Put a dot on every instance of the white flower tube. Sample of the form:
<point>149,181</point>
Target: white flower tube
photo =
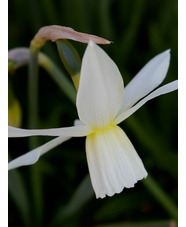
<point>113,162</point>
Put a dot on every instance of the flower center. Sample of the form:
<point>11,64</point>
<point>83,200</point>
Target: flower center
<point>109,127</point>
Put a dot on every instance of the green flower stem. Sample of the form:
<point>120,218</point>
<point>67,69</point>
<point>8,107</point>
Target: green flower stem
<point>33,89</point>
<point>158,193</point>
<point>58,76</point>
<point>33,141</point>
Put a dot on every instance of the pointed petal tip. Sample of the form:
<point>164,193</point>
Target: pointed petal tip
<point>91,43</point>
<point>166,53</point>
<point>164,56</point>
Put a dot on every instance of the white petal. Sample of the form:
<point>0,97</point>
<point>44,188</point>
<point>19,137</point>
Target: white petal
<point>74,131</point>
<point>101,92</point>
<point>33,156</point>
<point>113,162</point>
<point>160,91</point>
<point>149,77</point>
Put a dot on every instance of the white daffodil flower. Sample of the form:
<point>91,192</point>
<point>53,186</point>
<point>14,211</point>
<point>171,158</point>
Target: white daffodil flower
<point>102,103</point>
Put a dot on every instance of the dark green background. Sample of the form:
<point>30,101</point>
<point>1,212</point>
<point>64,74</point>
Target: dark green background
<point>43,194</point>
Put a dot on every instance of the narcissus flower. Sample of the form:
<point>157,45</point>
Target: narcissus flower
<point>102,103</point>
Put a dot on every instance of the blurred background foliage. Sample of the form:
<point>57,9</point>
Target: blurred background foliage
<point>57,191</point>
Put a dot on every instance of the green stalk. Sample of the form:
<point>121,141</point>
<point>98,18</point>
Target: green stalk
<point>158,193</point>
<point>33,90</point>
<point>36,183</point>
